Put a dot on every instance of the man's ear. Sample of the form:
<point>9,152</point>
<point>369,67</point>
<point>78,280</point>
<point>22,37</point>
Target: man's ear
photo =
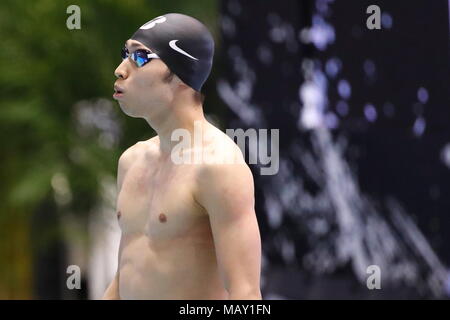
<point>179,83</point>
<point>168,76</point>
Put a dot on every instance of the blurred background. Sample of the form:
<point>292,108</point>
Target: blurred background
<point>364,141</point>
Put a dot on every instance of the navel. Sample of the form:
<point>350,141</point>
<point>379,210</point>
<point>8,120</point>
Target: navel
<point>162,217</point>
<point>118,215</point>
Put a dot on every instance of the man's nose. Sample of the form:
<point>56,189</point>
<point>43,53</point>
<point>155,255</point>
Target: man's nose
<point>121,71</point>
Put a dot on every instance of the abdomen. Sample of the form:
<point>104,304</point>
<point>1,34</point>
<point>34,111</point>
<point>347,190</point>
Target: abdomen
<point>180,269</point>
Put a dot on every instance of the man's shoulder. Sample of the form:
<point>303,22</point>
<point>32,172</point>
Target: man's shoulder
<point>223,148</point>
<point>224,173</point>
<point>137,150</point>
<point>224,158</point>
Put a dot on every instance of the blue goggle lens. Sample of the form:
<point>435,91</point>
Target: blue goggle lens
<point>140,56</point>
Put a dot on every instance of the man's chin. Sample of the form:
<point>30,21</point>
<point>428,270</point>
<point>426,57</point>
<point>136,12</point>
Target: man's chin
<point>127,110</point>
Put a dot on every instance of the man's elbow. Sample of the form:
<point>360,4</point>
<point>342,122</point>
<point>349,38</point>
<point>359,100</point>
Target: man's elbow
<point>244,294</point>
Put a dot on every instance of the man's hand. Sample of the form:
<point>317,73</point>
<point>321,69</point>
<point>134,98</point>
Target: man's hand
<point>227,193</point>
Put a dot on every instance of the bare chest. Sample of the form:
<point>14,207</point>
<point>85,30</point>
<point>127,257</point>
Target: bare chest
<point>158,201</point>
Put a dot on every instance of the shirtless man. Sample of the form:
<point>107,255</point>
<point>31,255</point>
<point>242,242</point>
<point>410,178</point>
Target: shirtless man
<point>189,230</point>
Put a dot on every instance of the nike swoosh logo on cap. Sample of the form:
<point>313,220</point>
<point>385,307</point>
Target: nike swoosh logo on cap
<point>173,45</point>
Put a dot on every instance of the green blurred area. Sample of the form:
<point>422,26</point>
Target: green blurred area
<point>49,75</point>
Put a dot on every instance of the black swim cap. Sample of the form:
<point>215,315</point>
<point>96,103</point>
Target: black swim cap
<point>183,43</point>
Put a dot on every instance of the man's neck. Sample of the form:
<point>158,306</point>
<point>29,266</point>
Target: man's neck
<point>183,117</point>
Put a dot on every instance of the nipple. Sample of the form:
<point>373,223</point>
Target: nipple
<point>162,217</point>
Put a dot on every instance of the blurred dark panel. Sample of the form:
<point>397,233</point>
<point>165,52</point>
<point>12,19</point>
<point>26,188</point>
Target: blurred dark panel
<point>368,186</point>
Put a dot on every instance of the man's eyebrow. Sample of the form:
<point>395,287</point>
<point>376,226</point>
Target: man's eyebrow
<point>133,45</point>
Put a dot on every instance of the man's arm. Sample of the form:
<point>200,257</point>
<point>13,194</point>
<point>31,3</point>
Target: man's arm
<point>125,160</point>
<point>227,194</point>
<point>112,292</point>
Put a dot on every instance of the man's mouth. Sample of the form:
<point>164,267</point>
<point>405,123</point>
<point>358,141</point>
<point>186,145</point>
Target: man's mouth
<point>118,92</point>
